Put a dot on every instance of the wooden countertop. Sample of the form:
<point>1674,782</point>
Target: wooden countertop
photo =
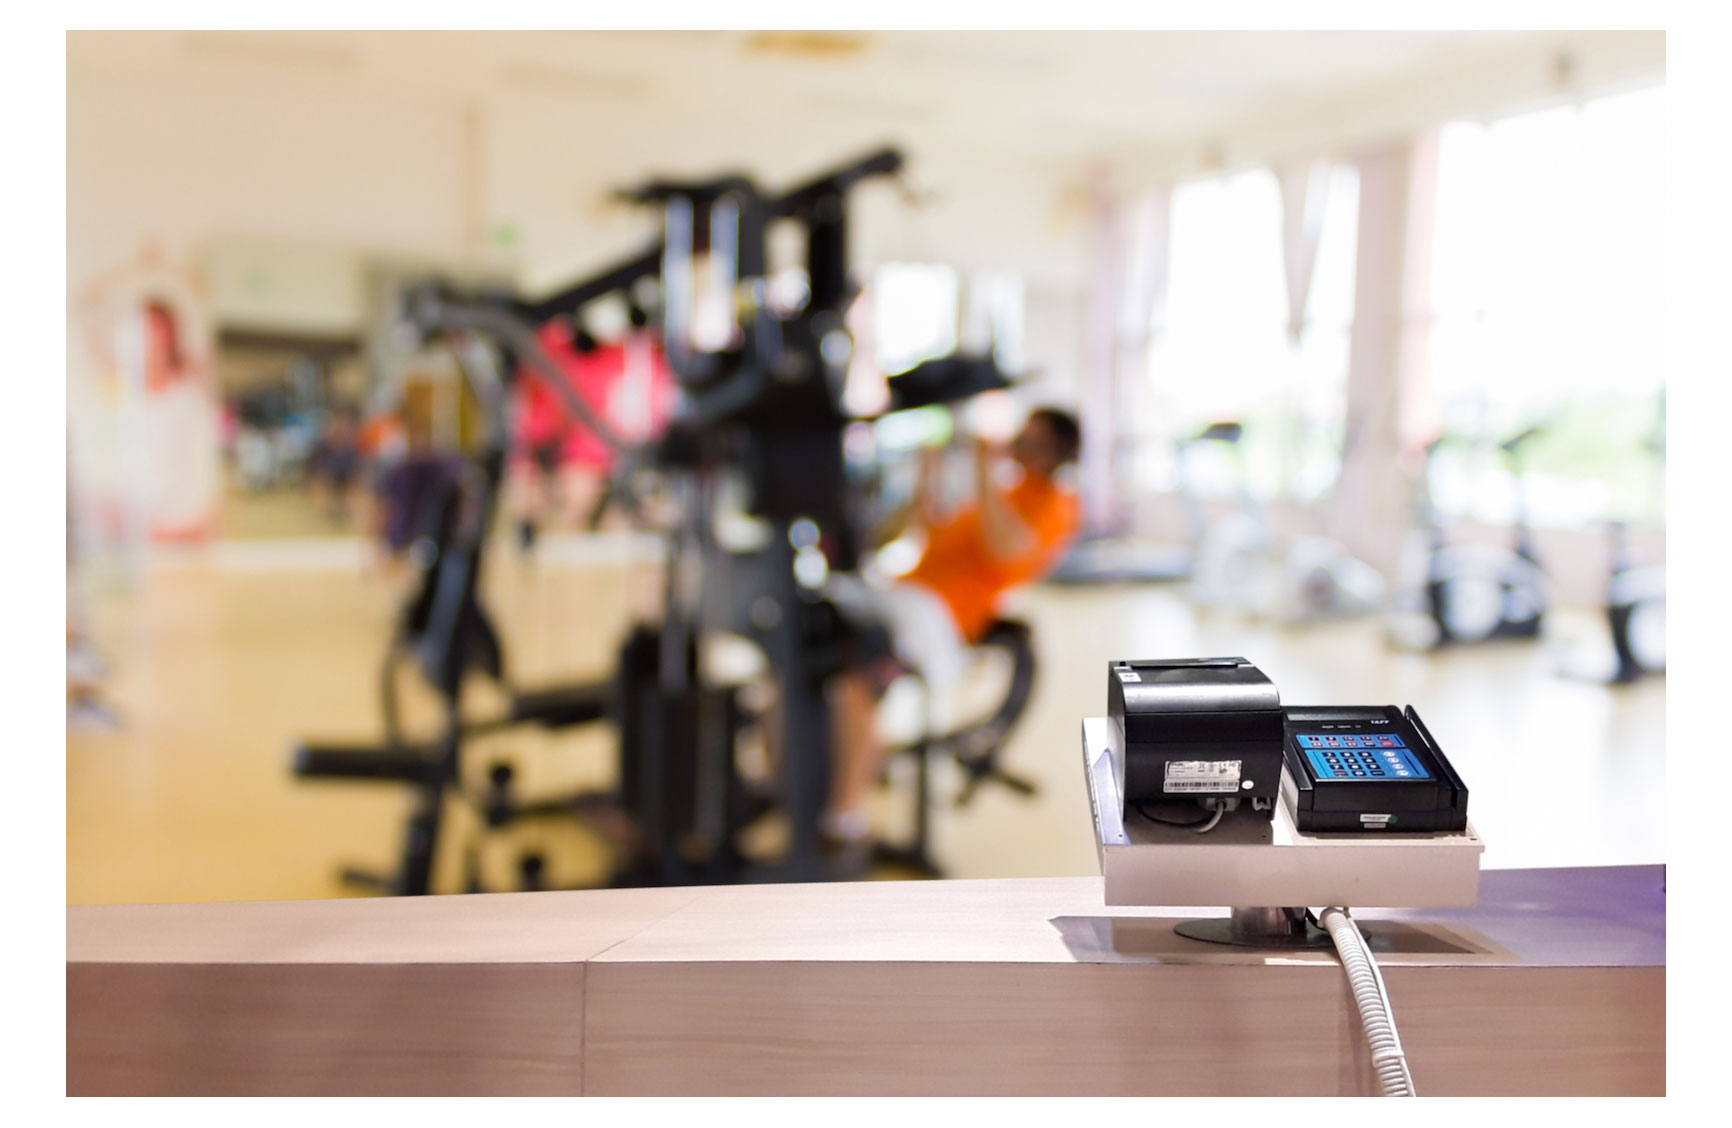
<point>1554,983</point>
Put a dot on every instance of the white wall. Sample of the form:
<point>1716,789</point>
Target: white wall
<point>188,165</point>
<point>321,180</point>
<point>542,179</point>
<point>285,287</point>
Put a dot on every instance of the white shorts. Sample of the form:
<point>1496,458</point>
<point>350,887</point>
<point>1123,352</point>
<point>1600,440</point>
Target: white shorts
<point>925,634</point>
<point>919,622</point>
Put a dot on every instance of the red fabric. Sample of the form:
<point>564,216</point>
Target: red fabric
<point>596,377</point>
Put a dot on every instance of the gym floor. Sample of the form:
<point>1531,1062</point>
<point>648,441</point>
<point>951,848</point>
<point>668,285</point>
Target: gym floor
<point>228,658</point>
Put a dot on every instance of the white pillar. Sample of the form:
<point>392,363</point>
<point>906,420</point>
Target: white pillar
<point>1142,314</point>
<point>1387,345</point>
<point>1098,386</point>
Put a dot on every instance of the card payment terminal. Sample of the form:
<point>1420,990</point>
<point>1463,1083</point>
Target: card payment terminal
<point>1368,768</point>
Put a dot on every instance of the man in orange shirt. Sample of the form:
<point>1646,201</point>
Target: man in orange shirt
<point>1008,536</point>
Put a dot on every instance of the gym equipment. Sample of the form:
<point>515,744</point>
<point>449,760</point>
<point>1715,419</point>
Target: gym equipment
<point>446,634</point>
<point>1230,566</point>
<point>1317,578</point>
<point>1114,559</point>
<point>1635,613</point>
<point>1453,594</point>
<point>976,748</point>
<point>1635,602</point>
<point>1241,563</point>
<point>759,409</point>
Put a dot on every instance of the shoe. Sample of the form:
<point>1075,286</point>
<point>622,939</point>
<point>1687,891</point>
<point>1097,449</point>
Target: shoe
<point>751,804</point>
<point>92,715</point>
<point>84,666</point>
<point>848,856</point>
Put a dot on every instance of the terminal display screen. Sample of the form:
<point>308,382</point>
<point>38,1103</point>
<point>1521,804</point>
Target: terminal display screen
<point>1359,757</point>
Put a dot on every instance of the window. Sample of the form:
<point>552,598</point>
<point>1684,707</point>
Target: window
<point>1547,292</point>
<point>914,310</point>
<point>917,311</point>
<point>1221,350</point>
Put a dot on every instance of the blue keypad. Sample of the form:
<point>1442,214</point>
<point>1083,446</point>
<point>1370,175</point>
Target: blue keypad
<point>1360,756</point>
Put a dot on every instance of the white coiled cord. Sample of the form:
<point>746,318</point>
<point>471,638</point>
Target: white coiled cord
<point>1373,1001</point>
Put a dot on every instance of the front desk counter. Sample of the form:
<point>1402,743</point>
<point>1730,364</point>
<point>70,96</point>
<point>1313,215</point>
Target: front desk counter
<point>1554,984</point>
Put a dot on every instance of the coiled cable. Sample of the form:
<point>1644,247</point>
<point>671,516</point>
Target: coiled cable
<point>1372,999</point>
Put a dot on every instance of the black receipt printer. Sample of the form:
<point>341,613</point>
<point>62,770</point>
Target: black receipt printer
<point>1204,731</point>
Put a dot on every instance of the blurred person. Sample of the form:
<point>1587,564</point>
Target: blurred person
<point>182,428</point>
<point>409,490</point>
<point>142,406</point>
<point>85,666</point>
<point>334,465</point>
<point>229,427</point>
<point>565,472</point>
<point>1009,535</point>
<point>255,458</point>
<point>381,440</point>
<point>292,442</point>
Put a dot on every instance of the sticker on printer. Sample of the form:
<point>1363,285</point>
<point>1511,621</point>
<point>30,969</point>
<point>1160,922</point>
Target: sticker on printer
<point>1126,674</point>
<point>1202,776</point>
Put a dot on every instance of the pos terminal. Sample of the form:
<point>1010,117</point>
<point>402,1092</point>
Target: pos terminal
<point>1213,732</point>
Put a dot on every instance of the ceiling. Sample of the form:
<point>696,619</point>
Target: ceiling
<point>1026,116</point>
<point>1041,95</point>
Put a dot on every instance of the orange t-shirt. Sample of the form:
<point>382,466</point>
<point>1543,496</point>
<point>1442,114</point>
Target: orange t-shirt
<point>960,567</point>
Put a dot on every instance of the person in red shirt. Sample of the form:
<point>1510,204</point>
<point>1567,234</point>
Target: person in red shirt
<point>560,466</point>
<point>1008,536</point>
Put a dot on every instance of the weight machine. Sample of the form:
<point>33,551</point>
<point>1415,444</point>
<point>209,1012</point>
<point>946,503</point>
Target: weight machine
<point>761,403</point>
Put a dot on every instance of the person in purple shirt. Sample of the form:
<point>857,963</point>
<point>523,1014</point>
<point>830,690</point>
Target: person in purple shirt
<point>334,465</point>
<point>410,490</point>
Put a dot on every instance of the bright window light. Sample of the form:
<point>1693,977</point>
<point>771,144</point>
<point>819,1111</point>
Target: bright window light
<point>914,308</point>
<point>1548,294</point>
<point>1221,352</point>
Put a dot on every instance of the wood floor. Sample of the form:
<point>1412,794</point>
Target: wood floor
<point>223,661</point>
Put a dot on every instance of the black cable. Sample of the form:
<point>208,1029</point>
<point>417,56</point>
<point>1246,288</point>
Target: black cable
<point>1141,810</point>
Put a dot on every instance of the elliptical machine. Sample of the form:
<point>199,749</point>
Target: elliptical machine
<point>1635,603</point>
<point>1242,564</point>
<point>1229,566</point>
<point>1636,613</point>
<point>1455,594</point>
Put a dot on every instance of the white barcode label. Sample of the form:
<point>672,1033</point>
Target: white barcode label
<point>1128,675</point>
<point>1205,776</point>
